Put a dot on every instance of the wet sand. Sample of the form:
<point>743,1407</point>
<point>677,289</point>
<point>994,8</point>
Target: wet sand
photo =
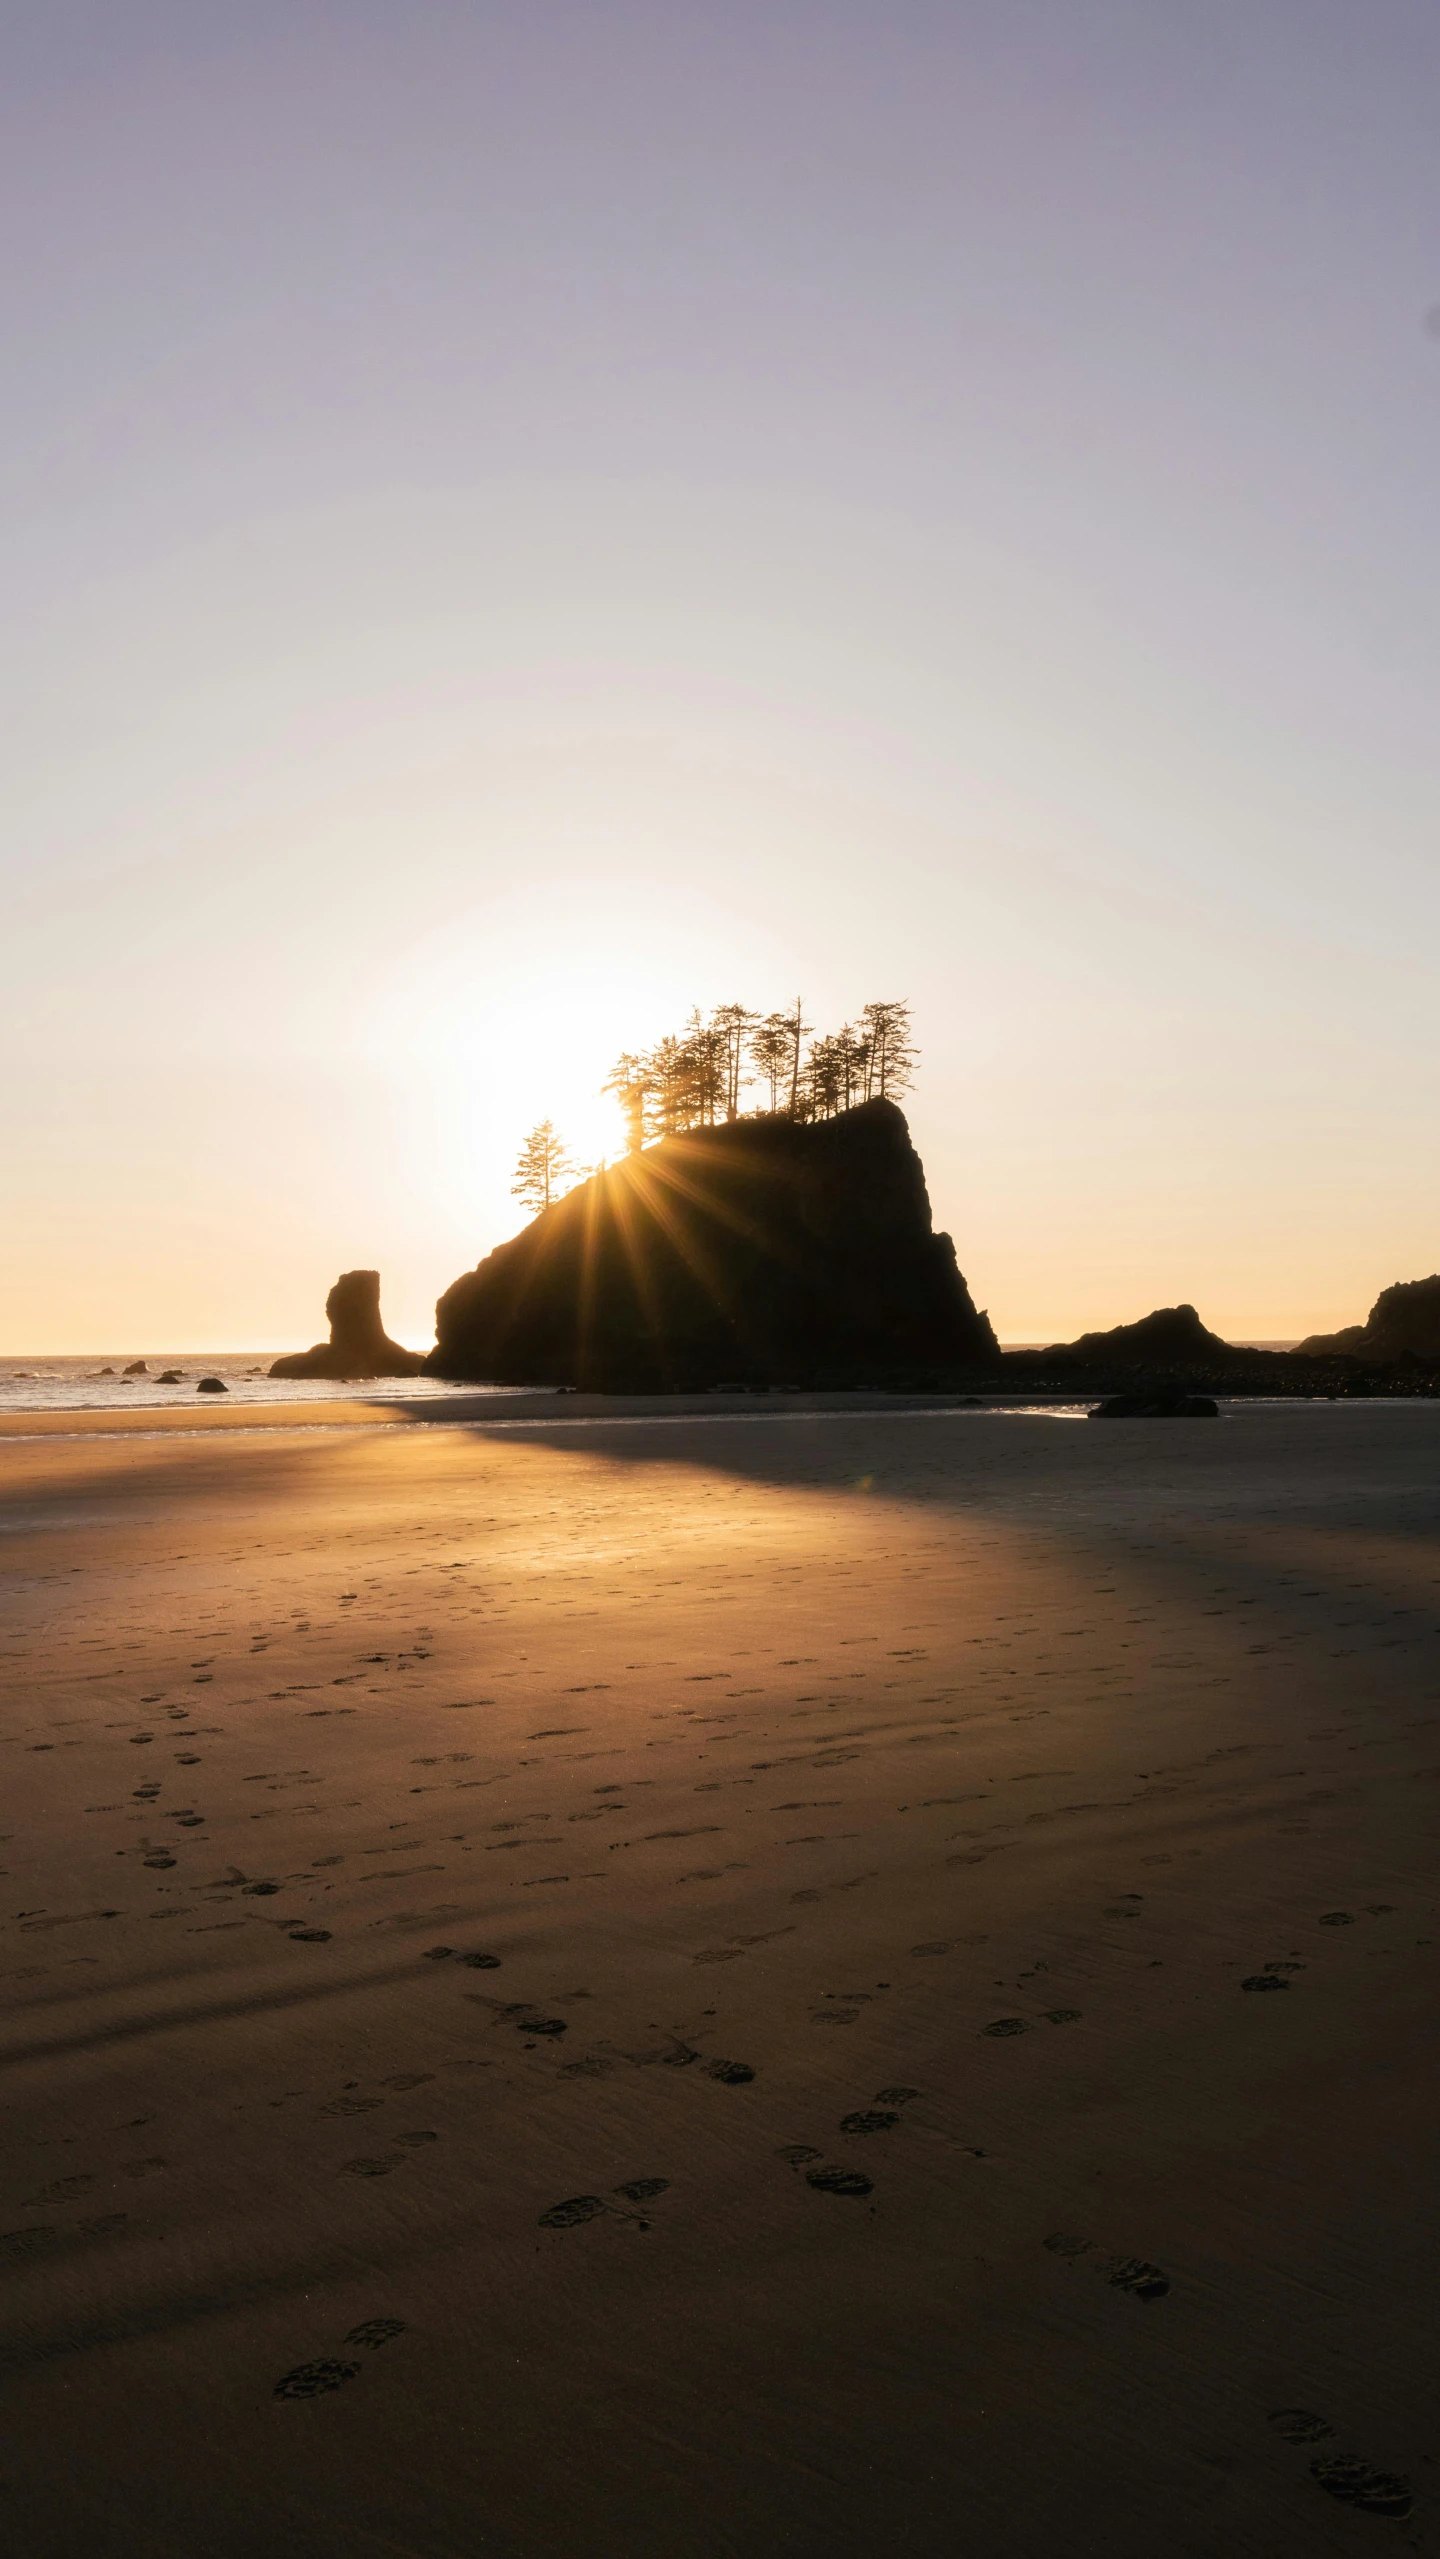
<point>748,1983</point>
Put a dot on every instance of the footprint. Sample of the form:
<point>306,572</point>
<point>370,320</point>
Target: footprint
<point>1067,2243</point>
<point>872,2119</point>
<point>417,2140</point>
<point>16,2246</point>
<point>1008,2026</point>
<point>438,1954</point>
<point>570,2214</point>
<point>1356,2483</point>
<point>840,2181</point>
<point>404,2079</point>
<point>374,2333</point>
<point>309,1936</point>
<point>370,2167</point>
<point>1135,2275</point>
<point>480,1963</point>
<point>1299,2425</point>
<point>796,2152</point>
<point>1265,1981</point>
<point>1337,1919</point>
<point>895,2096</point>
<point>641,2190</point>
<point>731,2074</point>
<point>937,1946</point>
<point>260,1890</point>
<point>311,2381</point>
<point>1063,2016</point>
<point>160,1860</point>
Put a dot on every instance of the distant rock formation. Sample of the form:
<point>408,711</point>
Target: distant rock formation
<point>762,1251</point>
<point>1404,1322</point>
<point>1173,1337</point>
<point>359,1345</point>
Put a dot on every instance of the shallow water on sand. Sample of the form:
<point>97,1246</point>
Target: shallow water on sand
<point>93,1382</point>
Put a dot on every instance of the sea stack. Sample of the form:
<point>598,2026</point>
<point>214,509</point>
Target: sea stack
<point>1404,1322</point>
<point>1173,1337</point>
<point>359,1345</point>
<point>762,1251</point>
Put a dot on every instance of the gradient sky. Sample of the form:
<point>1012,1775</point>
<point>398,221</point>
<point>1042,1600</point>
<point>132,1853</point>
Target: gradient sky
<point>521,519</point>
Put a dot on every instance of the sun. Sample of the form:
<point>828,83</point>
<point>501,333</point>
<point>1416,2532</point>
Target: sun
<point>504,1043</point>
<point>591,1127</point>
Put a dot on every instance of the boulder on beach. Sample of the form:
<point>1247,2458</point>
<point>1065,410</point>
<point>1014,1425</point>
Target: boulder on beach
<point>759,1251</point>
<point>137,1368</point>
<point>359,1345</point>
<point>212,1386</point>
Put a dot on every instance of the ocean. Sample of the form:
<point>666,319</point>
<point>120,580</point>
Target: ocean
<point>94,1382</point>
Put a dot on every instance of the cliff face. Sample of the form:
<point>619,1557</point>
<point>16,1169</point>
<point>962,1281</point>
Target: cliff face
<point>359,1345</point>
<point>1404,1319</point>
<point>759,1252</point>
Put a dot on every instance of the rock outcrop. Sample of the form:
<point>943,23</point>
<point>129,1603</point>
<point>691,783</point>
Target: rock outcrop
<point>1403,1323</point>
<point>359,1345</point>
<point>759,1252</point>
<point>1173,1337</point>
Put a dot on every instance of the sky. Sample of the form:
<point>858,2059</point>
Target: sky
<point>519,520</point>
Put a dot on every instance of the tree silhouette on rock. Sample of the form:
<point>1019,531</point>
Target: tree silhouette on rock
<point>694,1077</point>
<point>543,1169</point>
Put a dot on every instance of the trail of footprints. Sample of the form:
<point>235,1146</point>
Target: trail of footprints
<point>1134,2275</point>
<point>331,2372</point>
<point>1342,2474</point>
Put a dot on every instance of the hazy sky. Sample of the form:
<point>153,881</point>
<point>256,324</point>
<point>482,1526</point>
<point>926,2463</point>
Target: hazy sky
<point>519,519</point>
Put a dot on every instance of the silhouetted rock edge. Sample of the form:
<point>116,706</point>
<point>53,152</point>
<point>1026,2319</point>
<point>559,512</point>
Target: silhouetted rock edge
<point>359,1346</point>
<point>761,1251</point>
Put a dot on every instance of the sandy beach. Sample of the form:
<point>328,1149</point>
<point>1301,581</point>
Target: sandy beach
<point>660,1981</point>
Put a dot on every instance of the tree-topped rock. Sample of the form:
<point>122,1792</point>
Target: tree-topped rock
<point>763,1250</point>
<point>359,1345</point>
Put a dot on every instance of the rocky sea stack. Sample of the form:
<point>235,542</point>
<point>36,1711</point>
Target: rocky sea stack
<point>359,1345</point>
<point>1403,1324</point>
<point>763,1251</point>
<point>1173,1337</point>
